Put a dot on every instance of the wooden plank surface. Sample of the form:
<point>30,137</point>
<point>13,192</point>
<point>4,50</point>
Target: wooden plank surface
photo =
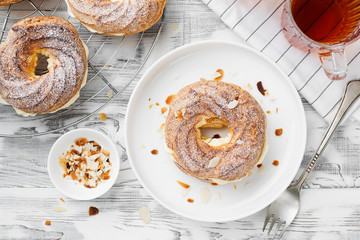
<point>330,202</point>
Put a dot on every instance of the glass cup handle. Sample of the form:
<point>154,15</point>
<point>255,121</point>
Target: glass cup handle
<point>334,63</point>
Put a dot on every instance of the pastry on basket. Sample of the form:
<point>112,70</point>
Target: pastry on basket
<point>8,2</point>
<point>116,17</point>
<point>55,38</point>
<point>215,104</point>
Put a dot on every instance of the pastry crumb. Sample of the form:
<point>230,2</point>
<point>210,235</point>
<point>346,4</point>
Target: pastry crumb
<point>278,132</point>
<point>61,199</point>
<point>170,98</point>
<point>184,185</point>
<point>163,110</point>
<point>154,152</point>
<point>261,88</point>
<point>102,117</point>
<point>221,72</point>
<point>47,222</point>
<point>93,211</point>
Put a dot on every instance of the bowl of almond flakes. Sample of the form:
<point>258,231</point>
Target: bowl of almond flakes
<point>83,164</point>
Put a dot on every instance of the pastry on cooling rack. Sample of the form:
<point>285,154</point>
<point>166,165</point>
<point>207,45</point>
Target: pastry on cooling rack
<point>214,104</point>
<point>116,17</point>
<point>31,94</point>
<point>8,2</point>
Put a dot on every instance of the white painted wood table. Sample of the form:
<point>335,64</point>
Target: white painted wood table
<point>330,201</point>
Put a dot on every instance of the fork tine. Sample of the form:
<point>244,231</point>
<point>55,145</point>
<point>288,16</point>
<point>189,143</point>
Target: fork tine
<point>272,224</point>
<point>284,229</point>
<point>268,216</point>
<point>278,227</point>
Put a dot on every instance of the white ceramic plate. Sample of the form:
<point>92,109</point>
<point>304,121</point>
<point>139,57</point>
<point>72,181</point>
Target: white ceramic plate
<point>71,188</point>
<point>242,66</point>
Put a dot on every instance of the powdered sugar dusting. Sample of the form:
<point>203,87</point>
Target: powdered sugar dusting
<point>67,64</point>
<point>210,99</point>
<point>117,17</point>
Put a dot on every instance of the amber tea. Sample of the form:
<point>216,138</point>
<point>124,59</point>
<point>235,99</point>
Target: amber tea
<point>323,26</point>
<point>326,21</point>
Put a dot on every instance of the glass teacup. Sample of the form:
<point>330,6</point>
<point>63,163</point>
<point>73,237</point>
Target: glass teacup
<point>323,26</point>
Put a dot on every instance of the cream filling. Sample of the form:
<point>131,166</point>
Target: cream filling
<point>220,181</point>
<point>218,141</point>
<point>261,159</point>
<point>213,124</point>
<point>71,101</point>
<point>119,34</point>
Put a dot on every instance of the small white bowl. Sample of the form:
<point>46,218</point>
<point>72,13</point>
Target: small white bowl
<point>74,189</point>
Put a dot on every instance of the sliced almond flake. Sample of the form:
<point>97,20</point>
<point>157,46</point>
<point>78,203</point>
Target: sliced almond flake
<point>95,156</point>
<point>110,93</point>
<point>233,104</point>
<point>205,195</point>
<point>183,111</point>
<point>217,196</point>
<point>145,214</point>
<point>214,75</point>
<point>233,74</point>
<point>184,191</point>
<point>239,142</point>
<point>214,162</point>
<point>272,98</point>
<point>142,146</point>
<point>247,184</point>
<point>175,26</point>
<point>176,77</point>
<point>262,169</point>
<point>184,185</point>
<point>249,86</point>
<point>59,209</point>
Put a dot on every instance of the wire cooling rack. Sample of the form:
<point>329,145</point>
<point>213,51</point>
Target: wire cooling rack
<point>113,63</point>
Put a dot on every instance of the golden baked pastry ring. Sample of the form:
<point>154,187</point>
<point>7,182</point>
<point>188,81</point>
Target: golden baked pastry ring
<point>213,104</point>
<point>55,38</point>
<point>8,2</point>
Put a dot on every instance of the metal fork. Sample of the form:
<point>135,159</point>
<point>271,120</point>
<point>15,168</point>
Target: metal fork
<point>284,209</point>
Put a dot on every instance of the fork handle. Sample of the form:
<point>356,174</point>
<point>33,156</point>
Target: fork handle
<point>352,92</point>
